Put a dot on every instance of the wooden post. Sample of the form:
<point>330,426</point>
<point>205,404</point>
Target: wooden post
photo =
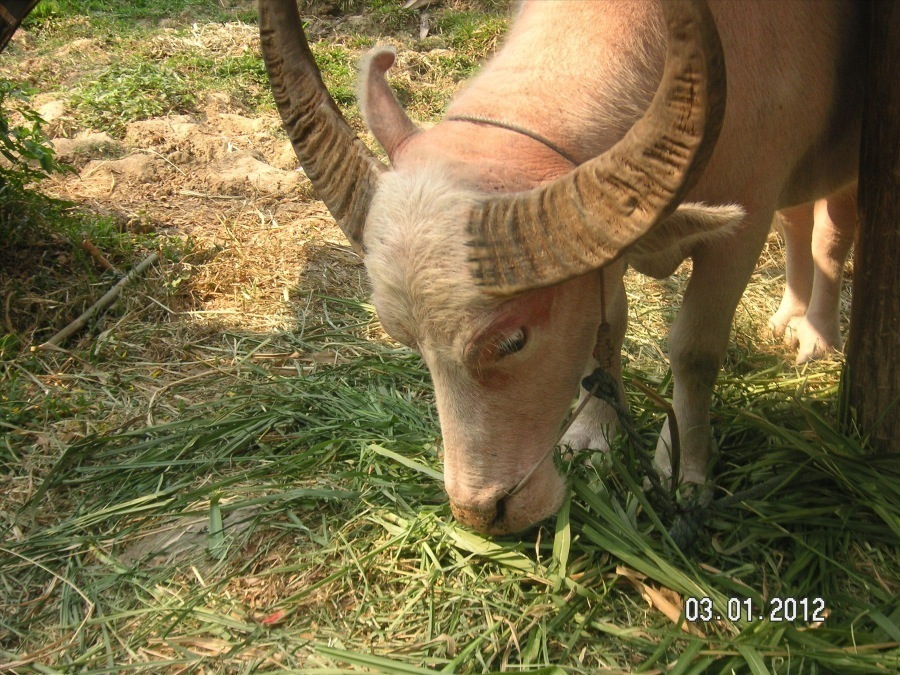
<point>11,14</point>
<point>873,351</point>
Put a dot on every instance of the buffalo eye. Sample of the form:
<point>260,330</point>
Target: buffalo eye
<point>512,343</point>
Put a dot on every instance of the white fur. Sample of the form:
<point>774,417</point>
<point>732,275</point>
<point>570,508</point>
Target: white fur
<point>417,256</point>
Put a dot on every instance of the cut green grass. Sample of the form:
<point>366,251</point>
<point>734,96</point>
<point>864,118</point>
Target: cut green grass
<point>328,488</point>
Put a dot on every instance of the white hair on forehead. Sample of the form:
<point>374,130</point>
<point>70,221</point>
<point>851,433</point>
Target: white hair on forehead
<point>417,255</point>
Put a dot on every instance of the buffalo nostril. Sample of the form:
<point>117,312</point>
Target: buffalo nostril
<point>485,518</point>
<point>500,511</point>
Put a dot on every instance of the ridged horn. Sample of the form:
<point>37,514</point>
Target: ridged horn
<point>587,218</point>
<point>341,168</point>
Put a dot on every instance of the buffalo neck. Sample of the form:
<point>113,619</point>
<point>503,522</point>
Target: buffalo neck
<point>569,77</point>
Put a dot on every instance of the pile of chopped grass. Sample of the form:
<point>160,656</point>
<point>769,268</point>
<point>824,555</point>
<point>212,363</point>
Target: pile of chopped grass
<point>295,518</point>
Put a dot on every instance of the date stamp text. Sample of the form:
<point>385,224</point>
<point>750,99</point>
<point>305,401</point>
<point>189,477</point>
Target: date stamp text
<point>775,610</point>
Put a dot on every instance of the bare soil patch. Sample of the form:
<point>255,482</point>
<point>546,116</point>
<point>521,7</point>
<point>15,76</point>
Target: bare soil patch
<point>229,184</point>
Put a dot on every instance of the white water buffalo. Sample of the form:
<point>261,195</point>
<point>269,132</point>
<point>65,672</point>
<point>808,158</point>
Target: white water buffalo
<point>598,136</point>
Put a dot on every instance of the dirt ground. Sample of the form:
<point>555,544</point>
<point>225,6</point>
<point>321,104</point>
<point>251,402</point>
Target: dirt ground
<point>222,185</point>
<point>230,184</point>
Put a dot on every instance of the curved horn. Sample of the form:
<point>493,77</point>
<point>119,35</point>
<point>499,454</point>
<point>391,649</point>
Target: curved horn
<point>342,169</point>
<point>585,219</point>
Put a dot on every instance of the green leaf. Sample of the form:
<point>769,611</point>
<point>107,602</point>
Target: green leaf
<point>407,462</point>
<point>380,664</point>
<point>216,543</point>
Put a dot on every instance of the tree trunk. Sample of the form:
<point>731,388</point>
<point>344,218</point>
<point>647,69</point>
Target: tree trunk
<point>873,351</point>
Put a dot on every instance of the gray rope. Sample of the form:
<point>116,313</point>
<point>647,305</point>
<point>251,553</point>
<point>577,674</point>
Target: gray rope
<point>478,119</point>
<point>605,387</point>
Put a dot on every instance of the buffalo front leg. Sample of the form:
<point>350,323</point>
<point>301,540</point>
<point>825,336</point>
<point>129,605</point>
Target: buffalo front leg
<point>595,426</point>
<point>699,337</point>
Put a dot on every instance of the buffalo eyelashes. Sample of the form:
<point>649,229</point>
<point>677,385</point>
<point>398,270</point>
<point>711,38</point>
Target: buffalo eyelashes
<point>512,343</point>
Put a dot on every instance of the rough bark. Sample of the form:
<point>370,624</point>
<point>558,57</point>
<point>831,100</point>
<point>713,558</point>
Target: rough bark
<point>11,14</point>
<point>873,352</point>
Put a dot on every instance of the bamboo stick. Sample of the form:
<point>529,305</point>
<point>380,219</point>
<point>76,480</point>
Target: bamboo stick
<point>104,302</point>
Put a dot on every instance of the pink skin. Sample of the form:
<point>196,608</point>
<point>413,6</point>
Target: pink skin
<point>580,75</point>
<point>475,381</point>
<point>488,385</point>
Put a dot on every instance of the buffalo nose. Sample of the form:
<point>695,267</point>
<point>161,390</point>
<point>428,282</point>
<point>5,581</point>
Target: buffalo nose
<point>486,518</point>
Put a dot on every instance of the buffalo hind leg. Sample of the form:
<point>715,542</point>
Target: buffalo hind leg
<point>699,338</point>
<point>819,331</point>
<point>818,237</point>
<point>797,223</point>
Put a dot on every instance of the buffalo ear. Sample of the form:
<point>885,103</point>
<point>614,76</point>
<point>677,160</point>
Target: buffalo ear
<point>659,252</point>
<point>380,109</point>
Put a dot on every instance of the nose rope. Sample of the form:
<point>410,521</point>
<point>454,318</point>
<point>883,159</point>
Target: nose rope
<point>602,352</point>
<point>527,476</point>
<point>688,518</point>
<point>603,347</point>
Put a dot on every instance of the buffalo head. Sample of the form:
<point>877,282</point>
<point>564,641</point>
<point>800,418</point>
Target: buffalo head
<point>494,271</point>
